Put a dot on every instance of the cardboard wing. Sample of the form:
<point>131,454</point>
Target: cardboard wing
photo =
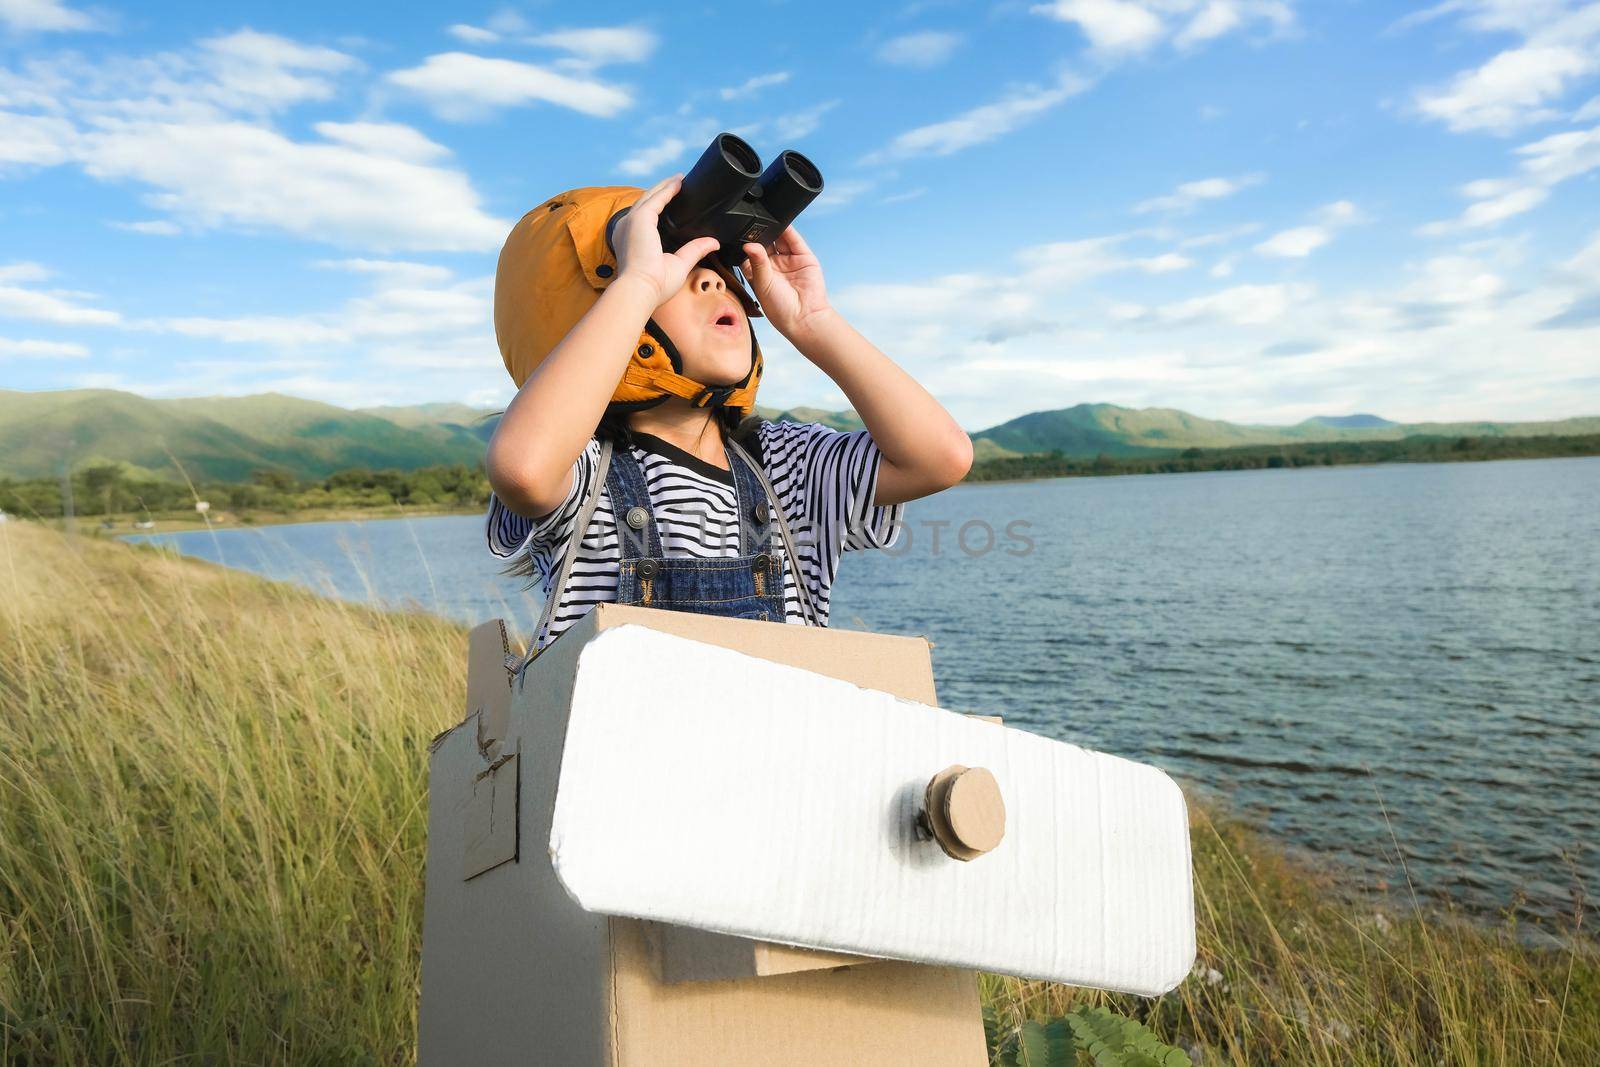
<point>791,810</point>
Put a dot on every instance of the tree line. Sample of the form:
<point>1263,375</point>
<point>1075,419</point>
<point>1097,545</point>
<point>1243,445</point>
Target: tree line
<point>1418,449</point>
<point>109,490</point>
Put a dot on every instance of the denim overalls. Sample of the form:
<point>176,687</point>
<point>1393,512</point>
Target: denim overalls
<point>746,586</point>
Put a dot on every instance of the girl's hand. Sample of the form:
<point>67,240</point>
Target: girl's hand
<point>637,243</point>
<point>788,283</point>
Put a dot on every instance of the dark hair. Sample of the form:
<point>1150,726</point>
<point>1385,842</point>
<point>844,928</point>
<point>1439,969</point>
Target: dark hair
<point>732,421</point>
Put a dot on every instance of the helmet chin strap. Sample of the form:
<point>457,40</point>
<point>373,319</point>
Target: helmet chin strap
<point>709,395</point>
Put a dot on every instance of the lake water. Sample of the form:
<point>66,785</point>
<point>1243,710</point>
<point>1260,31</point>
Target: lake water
<point>1358,656</point>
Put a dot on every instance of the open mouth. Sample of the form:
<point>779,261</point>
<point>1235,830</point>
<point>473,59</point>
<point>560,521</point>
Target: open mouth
<point>726,318</point>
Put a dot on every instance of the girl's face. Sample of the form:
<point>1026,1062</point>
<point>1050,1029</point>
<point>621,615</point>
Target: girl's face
<point>708,325</point>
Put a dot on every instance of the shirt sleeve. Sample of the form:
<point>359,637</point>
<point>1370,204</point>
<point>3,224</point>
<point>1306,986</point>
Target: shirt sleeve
<point>536,543</point>
<point>829,478</point>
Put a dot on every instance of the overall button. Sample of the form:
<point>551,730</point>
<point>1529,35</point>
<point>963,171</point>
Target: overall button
<point>648,568</point>
<point>637,517</point>
<point>763,561</point>
<point>760,512</point>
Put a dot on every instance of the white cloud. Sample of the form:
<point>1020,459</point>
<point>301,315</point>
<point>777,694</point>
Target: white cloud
<point>924,49</point>
<point>1074,321</point>
<point>909,194</point>
<point>600,45</point>
<point>653,158</point>
<point>150,227</point>
<point>23,272</point>
<point>840,192</point>
<point>461,31</point>
<point>795,125</point>
<point>1458,280</point>
<point>35,140</point>
<point>1190,194</point>
<point>1110,25</point>
<point>1588,112</point>
<point>418,332</point>
<point>1116,28</point>
<point>1297,242</point>
<point>261,71</point>
<point>1219,237</point>
<point>1585,264</point>
<point>1508,91</point>
<point>398,270</point>
<point>1545,164</point>
<point>28,349</point>
<point>1559,46</point>
<point>60,306</point>
<point>41,16</point>
<point>1165,263</point>
<point>981,124</point>
<point>1241,305</point>
<point>414,303</point>
<point>462,86</point>
<point>195,127</point>
<point>247,176</point>
<point>387,139</point>
<point>753,85</point>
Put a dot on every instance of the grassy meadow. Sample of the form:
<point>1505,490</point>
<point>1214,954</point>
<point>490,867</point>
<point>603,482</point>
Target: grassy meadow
<point>212,820</point>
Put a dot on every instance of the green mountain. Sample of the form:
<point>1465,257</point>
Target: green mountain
<point>229,438</point>
<point>215,438</point>
<point>480,422</point>
<point>1091,429</point>
<point>838,420</point>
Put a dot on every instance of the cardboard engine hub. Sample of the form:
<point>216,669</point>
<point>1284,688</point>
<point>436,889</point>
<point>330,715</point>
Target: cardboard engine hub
<point>627,867</point>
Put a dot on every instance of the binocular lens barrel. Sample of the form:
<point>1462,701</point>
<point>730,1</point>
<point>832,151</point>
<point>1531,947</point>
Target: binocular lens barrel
<point>789,184</point>
<point>718,179</point>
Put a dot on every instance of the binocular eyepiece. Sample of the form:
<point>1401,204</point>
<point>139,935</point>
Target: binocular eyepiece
<point>728,196</point>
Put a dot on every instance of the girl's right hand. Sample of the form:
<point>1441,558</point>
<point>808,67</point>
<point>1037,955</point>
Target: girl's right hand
<point>637,243</point>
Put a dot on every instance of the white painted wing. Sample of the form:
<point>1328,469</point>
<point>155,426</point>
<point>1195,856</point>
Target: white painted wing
<point>712,789</point>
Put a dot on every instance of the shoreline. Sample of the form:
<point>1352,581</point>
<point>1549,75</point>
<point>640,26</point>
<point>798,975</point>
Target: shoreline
<point>91,526</point>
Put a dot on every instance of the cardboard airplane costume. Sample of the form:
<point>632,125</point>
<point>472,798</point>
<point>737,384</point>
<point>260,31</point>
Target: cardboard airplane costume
<point>622,872</point>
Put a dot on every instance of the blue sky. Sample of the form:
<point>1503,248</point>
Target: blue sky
<point>1258,210</point>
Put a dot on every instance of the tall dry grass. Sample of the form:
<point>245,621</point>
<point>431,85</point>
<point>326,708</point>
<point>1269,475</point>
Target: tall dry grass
<point>212,816</point>
<point>212,811</point>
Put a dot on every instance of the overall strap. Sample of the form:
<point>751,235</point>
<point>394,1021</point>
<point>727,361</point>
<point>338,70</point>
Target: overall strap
<point>807,607</point>
<point>754,536</point>
<point>580,527</point>
<point>630,503</point>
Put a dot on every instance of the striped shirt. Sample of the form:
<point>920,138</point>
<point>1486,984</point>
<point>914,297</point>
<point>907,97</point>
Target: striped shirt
<point>825,480</point>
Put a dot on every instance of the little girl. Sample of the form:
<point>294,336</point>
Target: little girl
<point>629,468</point>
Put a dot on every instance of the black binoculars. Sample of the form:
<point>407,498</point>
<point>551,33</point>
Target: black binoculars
<point>726,195</point>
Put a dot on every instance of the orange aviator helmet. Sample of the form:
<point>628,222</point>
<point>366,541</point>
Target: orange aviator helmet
<point>553,268</point>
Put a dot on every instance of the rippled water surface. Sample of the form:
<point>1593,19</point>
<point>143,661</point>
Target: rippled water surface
<point>1351,653</point>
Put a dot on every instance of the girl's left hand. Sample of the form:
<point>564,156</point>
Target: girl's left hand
<point>788,283</point>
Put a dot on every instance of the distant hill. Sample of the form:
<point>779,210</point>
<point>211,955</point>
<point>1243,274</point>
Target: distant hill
<point>215,438</point>
<point>1351,422</point>
<point>479,422</point>
<point>1092,429</point>
<point>229,438</point>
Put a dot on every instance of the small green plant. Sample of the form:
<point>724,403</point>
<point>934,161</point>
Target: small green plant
<point>1109,1040</point>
